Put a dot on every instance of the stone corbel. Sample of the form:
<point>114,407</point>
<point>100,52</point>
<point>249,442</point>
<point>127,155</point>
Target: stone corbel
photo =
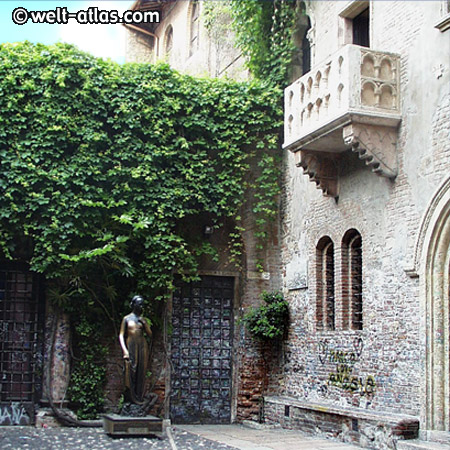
<point>321,168</point>
<point>376,145</point>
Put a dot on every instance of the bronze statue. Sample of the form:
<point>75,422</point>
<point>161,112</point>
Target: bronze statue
<point>135,350</point>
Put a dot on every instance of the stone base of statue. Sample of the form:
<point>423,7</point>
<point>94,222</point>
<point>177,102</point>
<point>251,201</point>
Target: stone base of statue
<point>133,410</point>
<point>116,425</point>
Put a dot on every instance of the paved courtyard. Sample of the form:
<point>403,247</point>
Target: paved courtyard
<point>209,437</point>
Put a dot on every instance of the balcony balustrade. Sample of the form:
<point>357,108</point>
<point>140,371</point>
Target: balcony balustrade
<point>350,101</point>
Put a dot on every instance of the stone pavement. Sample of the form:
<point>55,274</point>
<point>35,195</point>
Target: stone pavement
<point>245,438</point>
<point>30,438</point>
<point>186,437</point>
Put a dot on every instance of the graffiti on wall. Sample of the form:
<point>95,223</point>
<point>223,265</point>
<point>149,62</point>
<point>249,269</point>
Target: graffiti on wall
<point>14,414</point>
<point>343,377</point>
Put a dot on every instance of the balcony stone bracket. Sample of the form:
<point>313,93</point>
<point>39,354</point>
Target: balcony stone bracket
<point>322,169</point>
<point>375,145</point>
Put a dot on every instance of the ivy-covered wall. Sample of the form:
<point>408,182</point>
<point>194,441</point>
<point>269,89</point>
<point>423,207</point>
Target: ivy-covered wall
<point>107,169</point>
<point>102,162</point>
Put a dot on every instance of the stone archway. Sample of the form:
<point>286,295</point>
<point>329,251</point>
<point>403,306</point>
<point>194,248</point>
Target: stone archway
<point>432,265</point>
<point>437,326</point>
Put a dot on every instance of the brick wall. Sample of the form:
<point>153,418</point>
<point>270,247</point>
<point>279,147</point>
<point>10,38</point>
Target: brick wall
<point>371,430</point>
<point>378,368</point>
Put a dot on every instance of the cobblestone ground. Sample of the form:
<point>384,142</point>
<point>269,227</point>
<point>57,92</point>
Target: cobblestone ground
<point>23,438</point>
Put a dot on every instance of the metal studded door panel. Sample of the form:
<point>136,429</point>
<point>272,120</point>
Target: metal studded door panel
<point>19,330</point>
<point>201,351</point>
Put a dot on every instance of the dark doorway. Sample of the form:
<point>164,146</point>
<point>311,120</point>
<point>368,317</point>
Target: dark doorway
<point>306,49</point>
<point>20,328</point>
<point>202,320</point>
<point>301,59</point>
<point>361,29</point>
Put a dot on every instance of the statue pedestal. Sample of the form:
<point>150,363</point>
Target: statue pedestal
<point>116,425</point>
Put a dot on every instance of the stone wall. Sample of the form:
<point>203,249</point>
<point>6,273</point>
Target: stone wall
<point>379,368</point>
<point>213,55</point>
<point>370,430</point>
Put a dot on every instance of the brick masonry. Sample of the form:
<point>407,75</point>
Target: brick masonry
<point>379,368</point>
<point>372,430</point>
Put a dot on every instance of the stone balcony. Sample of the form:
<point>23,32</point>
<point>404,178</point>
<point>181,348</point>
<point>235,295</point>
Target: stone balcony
<point>349,101</point>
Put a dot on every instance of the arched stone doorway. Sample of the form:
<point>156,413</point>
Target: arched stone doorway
<point>432,265</point>
<point>437,325</point>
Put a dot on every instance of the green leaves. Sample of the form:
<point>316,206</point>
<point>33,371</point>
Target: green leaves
<point>101,162</point>
<point>270,320</point>
<point>264,32</point>
<point>88,374</point>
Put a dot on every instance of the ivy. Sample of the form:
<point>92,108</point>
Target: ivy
<point>268,321</point>
<point>103,165</point>
<point>264,32</point>
<point>217,19</point>
<point>88,375</point>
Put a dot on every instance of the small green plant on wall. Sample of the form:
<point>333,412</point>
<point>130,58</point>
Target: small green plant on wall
<point>268,321</point>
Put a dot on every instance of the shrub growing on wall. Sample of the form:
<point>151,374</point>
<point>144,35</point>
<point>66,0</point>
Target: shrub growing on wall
<point>268,321</point>
<point>264,33</point>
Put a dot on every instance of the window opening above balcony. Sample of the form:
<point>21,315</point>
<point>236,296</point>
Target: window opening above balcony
<point>301,61</point>
<point>306,49</point>
<point>360,25</point>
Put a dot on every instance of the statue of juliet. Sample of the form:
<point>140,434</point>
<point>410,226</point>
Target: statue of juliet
<point>135,351</point>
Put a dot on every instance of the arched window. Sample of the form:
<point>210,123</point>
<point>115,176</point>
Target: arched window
<point>352,306</point>
<point>194,28</point>
<point>168,41</point>
<point>325,300</point>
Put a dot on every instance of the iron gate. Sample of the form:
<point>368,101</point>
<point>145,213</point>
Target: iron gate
<point>19,332</point>
<point>202,320</point>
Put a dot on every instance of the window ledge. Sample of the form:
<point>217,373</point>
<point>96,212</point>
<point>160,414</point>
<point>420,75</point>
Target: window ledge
<point>444,23</point>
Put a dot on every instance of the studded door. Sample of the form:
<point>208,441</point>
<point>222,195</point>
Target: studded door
<point>201,351</point>
<point>19,333</point>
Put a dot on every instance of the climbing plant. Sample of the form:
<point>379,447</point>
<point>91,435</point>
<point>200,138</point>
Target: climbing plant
<point>216,17</point>
<point>264,31</point>
<point>88,375</point>
<point>269,320</point>
<point>103,163</point>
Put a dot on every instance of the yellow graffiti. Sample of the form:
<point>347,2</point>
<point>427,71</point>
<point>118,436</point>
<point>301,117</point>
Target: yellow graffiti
<point>344,379</point>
